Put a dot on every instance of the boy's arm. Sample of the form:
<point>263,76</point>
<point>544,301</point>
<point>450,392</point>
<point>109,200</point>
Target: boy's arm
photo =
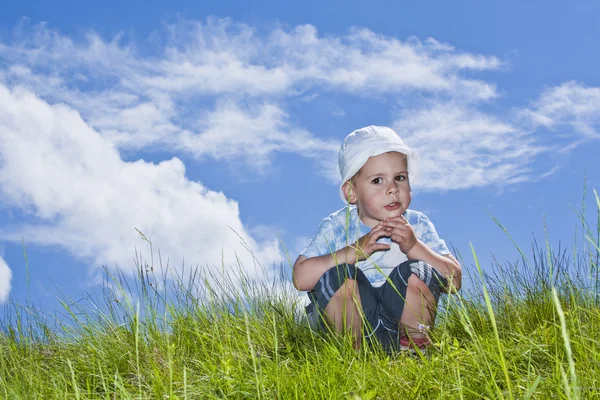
<point>447,265</point>
<point>308,270</point>
<point>403,234</point>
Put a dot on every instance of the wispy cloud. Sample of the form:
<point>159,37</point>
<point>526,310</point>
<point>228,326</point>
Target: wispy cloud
<point>570,109</point>
<point>460,147</point>
<point>253,134</point>
<point>207,71</point>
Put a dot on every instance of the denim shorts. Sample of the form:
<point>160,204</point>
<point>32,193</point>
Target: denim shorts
<point>382,306</point>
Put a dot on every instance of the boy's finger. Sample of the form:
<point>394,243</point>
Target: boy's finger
<point>380,246</point>
<point>400,218</point>
<point>386,226</point>
<point>396,222</point>
<point>379,234</point>
<point>378,227</point>
<point>399,228</point>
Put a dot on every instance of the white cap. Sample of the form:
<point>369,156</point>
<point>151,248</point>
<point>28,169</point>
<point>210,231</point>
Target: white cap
<point>368,142</point>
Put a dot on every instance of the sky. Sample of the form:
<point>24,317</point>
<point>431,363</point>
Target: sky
<point>213,128</point>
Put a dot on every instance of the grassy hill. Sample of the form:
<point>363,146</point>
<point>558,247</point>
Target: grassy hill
<point>527,330</point>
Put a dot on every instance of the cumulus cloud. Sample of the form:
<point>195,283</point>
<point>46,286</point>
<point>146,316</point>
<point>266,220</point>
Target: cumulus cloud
<point>5,278</point>
<point>89,201</point>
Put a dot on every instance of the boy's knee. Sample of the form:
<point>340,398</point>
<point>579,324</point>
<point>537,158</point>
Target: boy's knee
<point>418,292</point>
<point>347,293</point>
<point>343,276</point>
<point>416,284</point>
<point>348,289</point>
<point>425,278</point>
<point>417,288</point>
<point>338,282</point>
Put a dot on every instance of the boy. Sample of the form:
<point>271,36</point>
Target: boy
<point>375,260</point>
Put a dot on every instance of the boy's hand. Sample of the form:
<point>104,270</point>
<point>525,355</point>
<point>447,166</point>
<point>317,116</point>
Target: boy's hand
<point>401,233</point>
<point>367,245</point>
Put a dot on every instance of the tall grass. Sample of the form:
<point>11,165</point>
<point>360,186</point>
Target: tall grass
<point>528,329</point>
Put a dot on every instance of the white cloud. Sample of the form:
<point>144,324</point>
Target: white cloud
<point>364,62</point>
<point>89,201</point>
<point>217,90</point>
<point>158,100</point>
<point>5,278</point>
<point>230,133</point>
<point>221,56</point>
<point>571,109</point>
<point>459,147</point>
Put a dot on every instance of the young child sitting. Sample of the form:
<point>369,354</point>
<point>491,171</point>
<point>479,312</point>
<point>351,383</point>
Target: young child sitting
<point>375,261</point>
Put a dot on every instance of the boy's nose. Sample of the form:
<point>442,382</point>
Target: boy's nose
<point>392,189</point>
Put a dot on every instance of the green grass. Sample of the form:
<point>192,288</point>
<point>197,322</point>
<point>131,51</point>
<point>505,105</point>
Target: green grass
<point>534,333</point>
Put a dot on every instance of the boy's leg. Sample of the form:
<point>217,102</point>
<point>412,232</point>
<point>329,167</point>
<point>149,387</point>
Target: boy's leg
<point>420,308</point>
<point>410,299</point>
<point>344,309</point>
<point>342,295</point>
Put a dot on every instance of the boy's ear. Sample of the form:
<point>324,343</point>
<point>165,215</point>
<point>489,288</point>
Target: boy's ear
<point>348,189</point>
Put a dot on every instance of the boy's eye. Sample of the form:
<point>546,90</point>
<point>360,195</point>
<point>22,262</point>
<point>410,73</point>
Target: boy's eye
<point>400,178</point>
<point>377,181</point>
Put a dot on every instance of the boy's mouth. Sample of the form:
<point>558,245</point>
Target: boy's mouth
<point>392,206</point>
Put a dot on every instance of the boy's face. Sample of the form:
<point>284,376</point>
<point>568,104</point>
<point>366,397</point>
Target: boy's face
<point>381,189</point>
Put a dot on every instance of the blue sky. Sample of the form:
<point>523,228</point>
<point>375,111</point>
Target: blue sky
<point>192,120</point>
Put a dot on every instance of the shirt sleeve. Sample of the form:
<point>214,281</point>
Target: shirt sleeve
<point>323,242</point>
<point>428,235</point>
